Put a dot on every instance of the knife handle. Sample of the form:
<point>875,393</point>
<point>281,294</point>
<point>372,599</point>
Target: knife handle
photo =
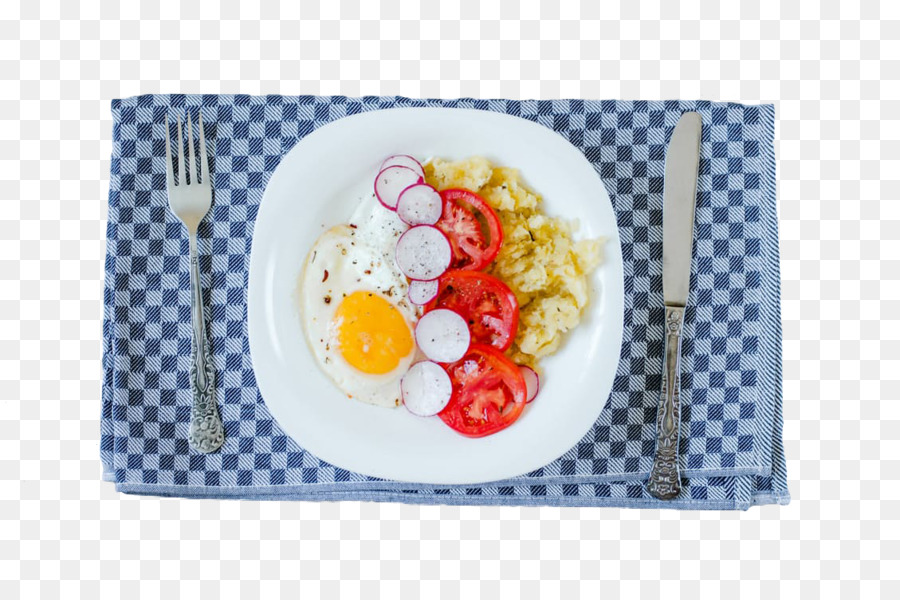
<point>665,480</point>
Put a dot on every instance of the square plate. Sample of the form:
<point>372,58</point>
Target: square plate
<point>317,185</point>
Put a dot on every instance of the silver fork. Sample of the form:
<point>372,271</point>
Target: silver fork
<point>190,202</point>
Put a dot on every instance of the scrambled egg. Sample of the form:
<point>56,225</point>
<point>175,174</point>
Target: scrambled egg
<point>539,260</point>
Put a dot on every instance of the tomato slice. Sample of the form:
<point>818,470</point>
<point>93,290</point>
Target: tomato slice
<point>488,393</point>
<point>486,303</point>
<point>460,221</point>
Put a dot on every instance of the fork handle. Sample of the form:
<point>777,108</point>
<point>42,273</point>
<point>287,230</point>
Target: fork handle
<point>207,433</point>
<point>665,480</point>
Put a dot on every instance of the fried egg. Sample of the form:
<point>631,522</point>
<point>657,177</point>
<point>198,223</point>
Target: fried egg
<point>357,318</point>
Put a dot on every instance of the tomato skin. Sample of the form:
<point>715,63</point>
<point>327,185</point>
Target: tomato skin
<point>486,303</point>
<point>488,393</point>
<point>470,250</point>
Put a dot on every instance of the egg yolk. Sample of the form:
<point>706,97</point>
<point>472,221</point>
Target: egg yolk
<point>372,334</point>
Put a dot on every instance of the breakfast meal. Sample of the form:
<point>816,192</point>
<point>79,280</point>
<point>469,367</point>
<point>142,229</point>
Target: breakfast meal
<point>443,291</point>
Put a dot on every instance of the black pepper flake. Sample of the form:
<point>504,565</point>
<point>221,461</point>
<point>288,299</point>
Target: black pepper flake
<point>325,275</point>
<point>327,299</point>
<point>531,234</point>
<point>352,226</point>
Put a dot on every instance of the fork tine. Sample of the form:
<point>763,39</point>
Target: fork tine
<point>192,164</point>
<point>181,174</point>
<point>204,165</point>
<point>170,173</point>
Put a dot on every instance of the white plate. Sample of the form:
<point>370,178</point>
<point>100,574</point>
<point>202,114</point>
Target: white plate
<point>316,186</point>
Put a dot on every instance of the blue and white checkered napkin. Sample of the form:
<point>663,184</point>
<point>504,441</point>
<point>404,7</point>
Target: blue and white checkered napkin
<point>731,446</point>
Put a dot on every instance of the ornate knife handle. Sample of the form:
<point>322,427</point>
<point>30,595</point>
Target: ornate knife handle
<point>207,433</point>
<point>665,480</point>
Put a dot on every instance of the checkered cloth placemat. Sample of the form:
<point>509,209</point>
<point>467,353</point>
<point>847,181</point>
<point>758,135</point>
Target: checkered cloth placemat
<point>732,453</point>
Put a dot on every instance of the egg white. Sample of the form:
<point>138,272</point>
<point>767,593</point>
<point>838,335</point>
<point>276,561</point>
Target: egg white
<point>378,228</point>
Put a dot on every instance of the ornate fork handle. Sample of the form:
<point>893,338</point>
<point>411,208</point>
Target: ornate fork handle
<point>207,433</point>
<point>665,480</point>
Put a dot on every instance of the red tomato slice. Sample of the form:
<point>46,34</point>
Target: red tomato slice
<point>460,221</point>
<point>488,393</point>
<point>486,303</point>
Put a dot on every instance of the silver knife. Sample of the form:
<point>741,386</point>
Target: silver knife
<point>679,198</point>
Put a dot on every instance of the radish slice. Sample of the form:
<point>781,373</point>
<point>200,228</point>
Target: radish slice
<point>420,204</point>
<point>442,335</point>
<point>403,160</point>
<point>426,388</point>
<point>393,180</point>
<point>422,292</point>
<point>532,382</point>
<point>423,252</point>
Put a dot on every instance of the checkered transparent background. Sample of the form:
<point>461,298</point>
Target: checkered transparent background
<point>832,72</point>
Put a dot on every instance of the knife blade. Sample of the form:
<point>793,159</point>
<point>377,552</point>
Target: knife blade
<point>679,199</point>
<point>679,195</point>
